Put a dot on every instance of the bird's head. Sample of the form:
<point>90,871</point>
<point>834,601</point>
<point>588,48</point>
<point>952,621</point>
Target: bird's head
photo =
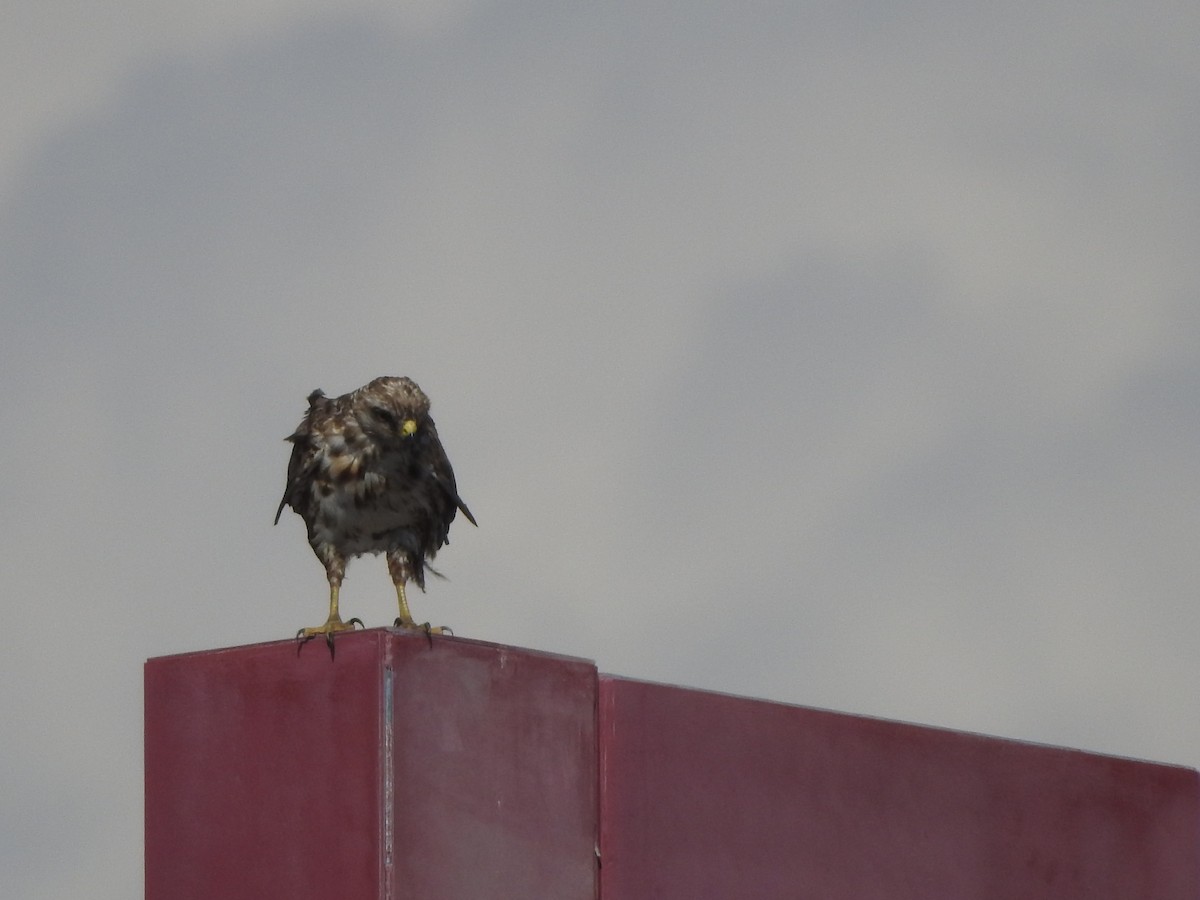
<point>392,408</point>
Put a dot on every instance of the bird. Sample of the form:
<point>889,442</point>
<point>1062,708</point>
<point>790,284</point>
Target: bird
<point>368,474</point>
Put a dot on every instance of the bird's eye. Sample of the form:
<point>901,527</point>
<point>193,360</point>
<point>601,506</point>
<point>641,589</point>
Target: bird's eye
<point>385,415</point>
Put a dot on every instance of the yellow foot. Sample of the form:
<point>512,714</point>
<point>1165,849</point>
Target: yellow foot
<point>332,625</point>
<point>428,630</point>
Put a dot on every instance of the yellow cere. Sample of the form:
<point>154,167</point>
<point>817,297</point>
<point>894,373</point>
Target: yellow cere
<point>409,428</point>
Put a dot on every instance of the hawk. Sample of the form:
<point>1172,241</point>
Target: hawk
<point>369,475</point>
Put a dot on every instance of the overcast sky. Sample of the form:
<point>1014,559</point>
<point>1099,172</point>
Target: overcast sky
<point>844,354</point>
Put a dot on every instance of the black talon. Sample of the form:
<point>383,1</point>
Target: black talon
<point>301,640</point>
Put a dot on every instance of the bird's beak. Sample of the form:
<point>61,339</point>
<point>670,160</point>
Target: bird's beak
<point>409,428</point>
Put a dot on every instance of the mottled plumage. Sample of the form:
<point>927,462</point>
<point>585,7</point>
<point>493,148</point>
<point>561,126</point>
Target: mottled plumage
<point>369,475</point>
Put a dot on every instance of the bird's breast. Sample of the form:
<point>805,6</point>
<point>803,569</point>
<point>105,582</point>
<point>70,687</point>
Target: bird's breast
<point>367,514</point>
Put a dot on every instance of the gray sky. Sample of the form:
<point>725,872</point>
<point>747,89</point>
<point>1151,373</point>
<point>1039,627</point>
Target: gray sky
<point>843,354</point>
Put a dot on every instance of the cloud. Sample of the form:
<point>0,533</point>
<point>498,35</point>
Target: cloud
<point>829,354</point>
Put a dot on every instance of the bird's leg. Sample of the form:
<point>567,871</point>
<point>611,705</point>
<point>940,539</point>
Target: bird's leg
<point>335,568</point>
<point>405,619</point>
<point>399,569</point>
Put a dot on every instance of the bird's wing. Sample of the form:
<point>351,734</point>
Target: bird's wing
<point>442,474</point>
<point>301,466</point>
<point>303,462</point>
<point>449,488</point>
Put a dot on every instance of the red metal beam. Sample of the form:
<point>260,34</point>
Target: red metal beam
<point>456,769</point>
<point>460,769</point>
<point>709,797</point>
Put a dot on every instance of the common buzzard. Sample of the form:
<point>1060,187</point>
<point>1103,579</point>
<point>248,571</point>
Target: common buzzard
<point>369,475</point>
